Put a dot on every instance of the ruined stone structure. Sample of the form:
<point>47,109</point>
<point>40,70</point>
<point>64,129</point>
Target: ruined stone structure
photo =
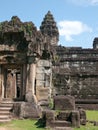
<point>64,115</point>
<point>25,59</point>
<point>26,63</point>
<point>33,67</point>
<point>76,73</point>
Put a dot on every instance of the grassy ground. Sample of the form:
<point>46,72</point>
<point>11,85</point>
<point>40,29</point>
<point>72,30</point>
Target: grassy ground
<point>33,125</point>
<point>21,125</point>
<point>91,116</point>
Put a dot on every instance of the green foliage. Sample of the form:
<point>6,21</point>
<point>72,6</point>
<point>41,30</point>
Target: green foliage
<point>51,103</point>
<point>56,58</point>
<point>29,28</point>
<point>0,26</point>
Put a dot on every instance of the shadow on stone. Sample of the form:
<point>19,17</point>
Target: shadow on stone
<point>41,123</point>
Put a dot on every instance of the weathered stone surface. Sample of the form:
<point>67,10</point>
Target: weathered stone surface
<point>16,109</point>
<point>87,104</point>
<point>49,28</point>
<point>66,118</point>
<point>64,115</point>
<point>42,93</point>
<point>95,123</point>
<point>29,97</point>
<point>26,110</point>
<point>95,43</point>
<point>48,116</point>
<point>82,113</point>
<point>77,69</point>
<point>64,103</point>
<point>58,123</point>
<point>58,70</point>
<point>29,110</point>
<point>62,128</point>
<point>43,79</point>
<point>75,119</point>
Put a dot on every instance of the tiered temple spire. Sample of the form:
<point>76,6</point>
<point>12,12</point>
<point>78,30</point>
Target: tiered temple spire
<point>48,28</point>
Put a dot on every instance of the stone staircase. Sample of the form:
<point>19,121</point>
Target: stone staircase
<point>5,110</point>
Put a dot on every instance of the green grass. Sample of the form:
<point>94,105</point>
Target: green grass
<point>22,125</point>
<point>27,124</point>
<point>87,127</point>
<point>91,116</point>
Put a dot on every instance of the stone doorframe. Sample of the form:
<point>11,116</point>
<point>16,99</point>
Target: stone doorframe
<point>12,82</point>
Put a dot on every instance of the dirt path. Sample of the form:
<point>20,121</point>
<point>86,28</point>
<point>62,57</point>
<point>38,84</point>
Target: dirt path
<point>8,128</point>
<point>3,128</point>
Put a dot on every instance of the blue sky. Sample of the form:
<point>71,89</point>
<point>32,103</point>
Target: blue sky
<point>77,20</point>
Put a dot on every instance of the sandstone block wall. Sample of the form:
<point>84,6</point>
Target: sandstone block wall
<point>43,80</point>
<point>76,72</point>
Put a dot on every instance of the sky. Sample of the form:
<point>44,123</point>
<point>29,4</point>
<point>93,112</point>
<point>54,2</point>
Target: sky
<point>77,20</point>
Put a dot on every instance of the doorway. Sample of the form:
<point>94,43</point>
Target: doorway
<point>13,82</point>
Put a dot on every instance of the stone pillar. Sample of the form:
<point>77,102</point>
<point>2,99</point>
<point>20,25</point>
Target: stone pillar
<point>31,72</point>
<point>2,80</point>
<point>24,79</point>
<point>29,93</point>
<point>75,119</point>
<point>13,86</point>
<point>30,108</point>
<point>82,113</point>
<point>0,83</point>
<point>33,78</point>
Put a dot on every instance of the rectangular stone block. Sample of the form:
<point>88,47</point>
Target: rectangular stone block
<point>64,102</point>
<point>40,76</point>
<point>43,63</point>
<point>40,83</point>
<point>62,128</point>
<point>42,93</point>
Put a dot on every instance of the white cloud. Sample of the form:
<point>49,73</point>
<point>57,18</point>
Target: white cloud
<point>84,2</point>
<point>70,28</point>
<point>94,2</point>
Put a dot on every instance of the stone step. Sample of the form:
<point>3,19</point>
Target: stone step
<point>59,123</point>
<point>62,128</point>
<point>5,120</point>
<point>6,104</point>
<point>5,108</point>
<point>4,112</point>
<point>4,116</point>
<point>7,99</point>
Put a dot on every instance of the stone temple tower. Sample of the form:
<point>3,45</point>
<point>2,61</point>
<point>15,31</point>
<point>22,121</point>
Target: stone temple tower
<point>95,43</point>
<point>49,29</point>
